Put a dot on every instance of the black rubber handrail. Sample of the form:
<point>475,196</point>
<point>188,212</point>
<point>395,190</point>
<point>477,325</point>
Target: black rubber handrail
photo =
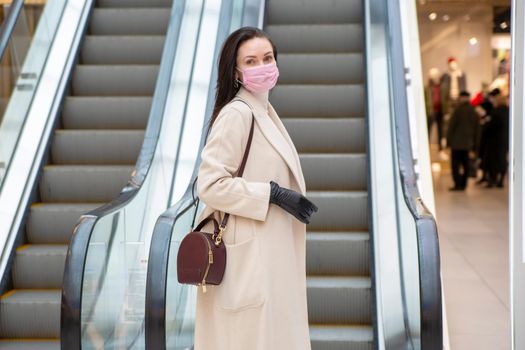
<point>70,320</point>
<point>9,25</point>
<point>426,228</point>
<point>158,266</point>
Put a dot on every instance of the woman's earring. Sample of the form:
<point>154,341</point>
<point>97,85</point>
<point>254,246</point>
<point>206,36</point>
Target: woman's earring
<point>236,83</point>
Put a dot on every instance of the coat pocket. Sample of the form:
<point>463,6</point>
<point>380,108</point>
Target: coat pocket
<point>242,286</point>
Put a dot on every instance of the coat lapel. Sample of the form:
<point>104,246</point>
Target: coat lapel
<point>277,122</point>
<point>274,131</point>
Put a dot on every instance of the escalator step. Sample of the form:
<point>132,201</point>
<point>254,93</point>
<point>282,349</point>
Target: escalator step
<point>134,3</point>
<point>330,135</point>
<point>333,172</point>
<point>317,101</point>
<point>29,344</point>
<point>339,210</point>
<point>96,146</point>
<point>339,300</point>
<point>338,337</point>
<point>86,112</point>
<point>322,68</point>
<point>317,38</point>
<point>129,21</point>
<point>338,253</point>
<point>314,11</point>
<point>28,313</point>
<point>50,223</point>
<point>83,183</point>
<point>115,80</point>
<point>39,266</point>
<point>109,49</point>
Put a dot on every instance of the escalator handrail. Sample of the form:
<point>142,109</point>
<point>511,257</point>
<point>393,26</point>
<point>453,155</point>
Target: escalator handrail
<point>426,228</point>
<point>9,25</point>
<point>71,305</point>
<point>158,266</point>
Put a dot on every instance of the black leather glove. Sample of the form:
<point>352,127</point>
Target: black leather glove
<point>293,202</point>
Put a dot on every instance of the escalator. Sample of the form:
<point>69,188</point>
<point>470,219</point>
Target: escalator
<point>91,156</point>
<point>320,99</point>
<point>372,252</point>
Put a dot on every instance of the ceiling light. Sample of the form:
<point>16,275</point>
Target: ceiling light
<point>433,16</point>
<point>446,18</point>
<point>473,41</point>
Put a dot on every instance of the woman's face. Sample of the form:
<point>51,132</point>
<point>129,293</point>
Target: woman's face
<point>254,52</point>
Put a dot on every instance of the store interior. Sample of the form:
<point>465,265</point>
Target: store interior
<point>470,41</point>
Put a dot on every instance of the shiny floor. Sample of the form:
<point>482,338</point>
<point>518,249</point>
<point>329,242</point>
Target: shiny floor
<point>473,230</point>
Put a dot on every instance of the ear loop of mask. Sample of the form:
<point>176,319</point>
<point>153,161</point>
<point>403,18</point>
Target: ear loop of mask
<point>237,81</point>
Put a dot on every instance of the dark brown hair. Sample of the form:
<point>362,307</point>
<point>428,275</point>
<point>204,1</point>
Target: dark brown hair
<point>225,89</point>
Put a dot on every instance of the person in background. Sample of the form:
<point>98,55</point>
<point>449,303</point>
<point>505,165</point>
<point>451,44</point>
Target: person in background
<point>497,144</point>
<point>484,107</point>
<point>433,103</point>
<point>453,82</point>
<point>462,138</point>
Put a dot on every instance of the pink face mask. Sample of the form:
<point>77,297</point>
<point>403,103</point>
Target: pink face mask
<point>260,78</point>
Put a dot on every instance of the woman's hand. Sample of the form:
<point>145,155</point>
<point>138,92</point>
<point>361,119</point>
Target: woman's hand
<point>293,202</point>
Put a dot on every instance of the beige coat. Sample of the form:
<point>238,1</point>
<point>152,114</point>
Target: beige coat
<point>261,302</point>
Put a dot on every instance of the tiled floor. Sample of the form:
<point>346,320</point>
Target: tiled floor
<point>473,230</point>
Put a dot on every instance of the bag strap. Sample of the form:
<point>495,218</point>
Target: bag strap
<point>240,171</point>
<point>217,236</point>
<point>205,221</point>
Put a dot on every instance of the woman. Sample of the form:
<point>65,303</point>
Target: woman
<point>261,302</point>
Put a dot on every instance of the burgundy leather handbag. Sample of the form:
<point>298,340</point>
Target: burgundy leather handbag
<point>201,258</point>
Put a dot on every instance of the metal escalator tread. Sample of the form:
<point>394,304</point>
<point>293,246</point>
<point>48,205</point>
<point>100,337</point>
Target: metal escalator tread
<point>328,68</point>
<point>91,157</point>
<point>340,210</point>
<point>39,265</point>
<point>30,344</point>
<point>129,21</point>
<point>30,313</point>
<point>121,49</point>
<point>51,223</point>
<point>347,171</point>
<point>302,100</point>
<point>119,147</point>
<point>338,253</point>
<point>106,112</point>
<point>112,80</point>
<point>134,3</point>
<point>314,11</point>
<point>327,134</point>
<point>317,38</point>
<point>324,113</point>
<point>339,337</point>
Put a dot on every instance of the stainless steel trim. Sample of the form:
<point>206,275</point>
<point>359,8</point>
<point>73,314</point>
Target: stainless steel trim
<point>517,178</point>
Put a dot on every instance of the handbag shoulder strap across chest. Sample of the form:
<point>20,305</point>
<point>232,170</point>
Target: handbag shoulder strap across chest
<point>240,171</point>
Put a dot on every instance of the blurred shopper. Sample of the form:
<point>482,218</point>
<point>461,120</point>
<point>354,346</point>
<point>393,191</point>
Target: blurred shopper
<point>462,138</point>
<point>484,108</point>
<point>497,139</point>
<point>434,104</point>
<point>453,81</point>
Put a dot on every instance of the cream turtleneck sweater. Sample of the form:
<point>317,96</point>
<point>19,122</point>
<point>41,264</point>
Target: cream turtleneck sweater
<point>262,98</point>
